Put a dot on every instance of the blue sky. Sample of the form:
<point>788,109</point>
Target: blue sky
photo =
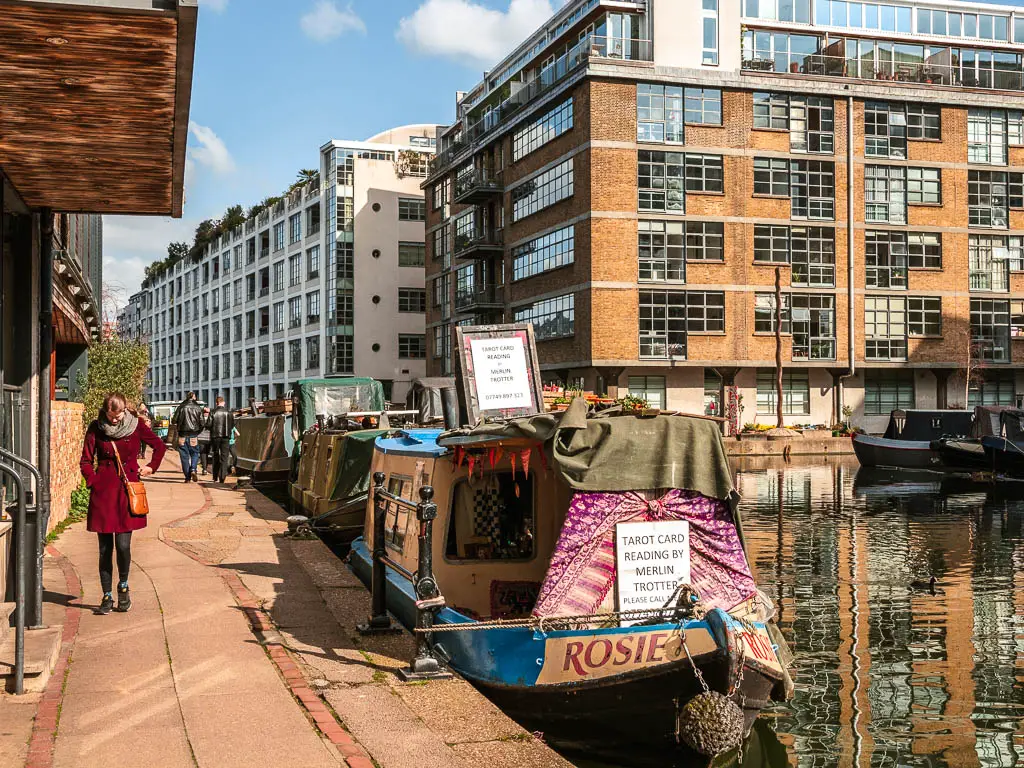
<point>275,79</point>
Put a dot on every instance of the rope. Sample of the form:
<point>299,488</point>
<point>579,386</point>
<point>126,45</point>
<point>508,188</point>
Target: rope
<point>544,622</point>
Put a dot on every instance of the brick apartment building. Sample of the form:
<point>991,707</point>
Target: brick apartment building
<point>630,178</point>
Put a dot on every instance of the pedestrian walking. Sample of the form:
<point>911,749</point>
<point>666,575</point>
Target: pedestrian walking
<point>234,451</point>
<point>145,418</point>
<point>204,442</point>
<point>188,422</point>
<point>222,426</point>
<point>109,462</point>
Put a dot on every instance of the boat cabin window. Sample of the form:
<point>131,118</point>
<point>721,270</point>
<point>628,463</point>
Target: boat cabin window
<point>492,519</point>
<point>398,515</point>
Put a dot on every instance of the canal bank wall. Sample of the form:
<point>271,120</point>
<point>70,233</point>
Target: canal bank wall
<point>802,445</point>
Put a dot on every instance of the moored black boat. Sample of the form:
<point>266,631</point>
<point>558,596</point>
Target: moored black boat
<point>967,454</point>
<point>908,439</point>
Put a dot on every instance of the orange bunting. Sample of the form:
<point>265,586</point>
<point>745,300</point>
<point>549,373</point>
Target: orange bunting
<point>524,458</point>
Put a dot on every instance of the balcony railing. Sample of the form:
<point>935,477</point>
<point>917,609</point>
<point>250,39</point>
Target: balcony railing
<point>264,252</point>
<point>563,67</point>
<point>915,72</point>
<point>478,186</point>
<point>479,244</point>
<point>478,296</point>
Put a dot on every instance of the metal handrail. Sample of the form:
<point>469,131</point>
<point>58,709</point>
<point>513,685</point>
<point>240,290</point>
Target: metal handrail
<point>19,582</point>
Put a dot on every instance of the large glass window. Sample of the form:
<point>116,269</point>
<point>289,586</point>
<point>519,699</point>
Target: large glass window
<point>771,110</point>
<point>411,254</point>
<point>885,130</point>
<point>552,318</point>
<point>411,209</point>
<point>662,250</point>
<point>660,180</point>
<point>709,32</point>
<point>924,250</point>
<point>812,189</point>
<point>924,122</point>
<point>988,260</point>
<point>885,194</point>
<point>412,346</point>
<point>703,106</point>
<point>992,388</point>
<point>650,388</point>
<point>809,119</point>
<point>704,173</point>
<point>550,251</point>
<point>796,393</point>
<point>412,300</point>
<point>924,186</point>
<point>552,125</point>
<point>705,241</point>
<point>924,315</point>
<point>887,390</point>
<point>885,259</point>
<point>885,327</point>
<point>543,190</point>
<point>987,203</point>
<point>659,113</point>
<point>771,243</point>
<point>813,326</point>
<point>813,256</point>
<point>771,177</point>
<point>990,330</point>
<point>986,136</point>
<point>667,316</point>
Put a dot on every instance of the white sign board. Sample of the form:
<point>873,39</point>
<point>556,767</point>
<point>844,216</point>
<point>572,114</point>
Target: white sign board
<point>502,377</point>
<point>651,559</point>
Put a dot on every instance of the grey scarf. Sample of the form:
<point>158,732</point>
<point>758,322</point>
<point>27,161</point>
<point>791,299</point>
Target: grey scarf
<point>122,429</point>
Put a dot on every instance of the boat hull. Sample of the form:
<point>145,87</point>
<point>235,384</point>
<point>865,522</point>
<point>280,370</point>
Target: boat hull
<point>901,454</point>
<point>1003,456</point>
<point>961,454</point>
<point>573,684</point>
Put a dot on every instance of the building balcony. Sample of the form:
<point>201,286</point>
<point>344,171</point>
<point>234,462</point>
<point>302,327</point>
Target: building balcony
<point>478,187</point>
<point>479,245</point>
<point>480,297</point>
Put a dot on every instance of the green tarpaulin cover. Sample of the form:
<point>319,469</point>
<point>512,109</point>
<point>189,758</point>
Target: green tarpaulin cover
<point>332,397</point>
<point>353,474</point>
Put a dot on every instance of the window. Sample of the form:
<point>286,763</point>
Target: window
<point>709,32</point>
<point>986,136</point>
<point>666,317</point>
<point>704,173</point>
<point>660,181</point>
<point>279,236</point>
<point>990,330</point>
<point>552,318</point>
<point>278,317</point>
<point>543,190</point>
<point>771,177</point>
<point>771,110</point>
<point>411,209</point>
<point>771,243</point>
<point>812,124</point>
<point>313,262</point>
<point>924,250</point>
<point>442,243</point>
<point>295,228</point>
<point>885,259</point>
<point>812,189</point>
<point>550,251</point>
<point>650,388</point>
<point>295,269</point>
<point>411,254</point>
<point>537,134</point>
<point>813,326</point>
<point>887,390</point>
<point>703,106</point>
<point>885,195</point>
<point>440,195</point>
<point>1015,121</point>
<point>988,263</point>
<point>278,277</point>
<point>295,312</point>
<point>412,300</point>
<point>924,186</point>
<point>412,346</point>
<point>885,327</point>
<point>885,130</point>
<point>813,256</point>
<point>295,355</point>
<point>312,352</point>
<point>764,313</point>
<point>924,315</point>
<point>992,388</point>
<point>662,250</point>
<point>987,204</point>
<point>705,241</point>
<point>313,307</point>
<point>279,357</point>
<point>506,502</point>
<point>924,122</point>
<point>770,10</point>
<point>659,113</point>
<point>796,393</point>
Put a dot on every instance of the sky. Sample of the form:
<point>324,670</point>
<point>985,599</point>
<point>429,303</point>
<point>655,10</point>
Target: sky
<point>276,79</point>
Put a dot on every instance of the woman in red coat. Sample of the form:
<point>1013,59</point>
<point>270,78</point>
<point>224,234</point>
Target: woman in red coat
<point>116,429</point>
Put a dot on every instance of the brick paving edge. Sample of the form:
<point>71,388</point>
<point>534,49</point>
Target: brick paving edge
<point>319,715</point>
<point>44,726</point>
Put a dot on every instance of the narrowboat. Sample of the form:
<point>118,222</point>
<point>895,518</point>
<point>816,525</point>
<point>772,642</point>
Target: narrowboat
<point>967,453</point>
<point>907,442</point>
<point>534,602</point>
<point>1004,451</point>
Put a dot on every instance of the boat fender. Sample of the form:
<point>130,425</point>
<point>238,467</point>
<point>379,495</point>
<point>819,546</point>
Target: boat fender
<point>710,724</point>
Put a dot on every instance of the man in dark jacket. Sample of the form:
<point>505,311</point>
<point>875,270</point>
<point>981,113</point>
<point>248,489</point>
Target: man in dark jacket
<point>188,420</point>
<point>221,424</point>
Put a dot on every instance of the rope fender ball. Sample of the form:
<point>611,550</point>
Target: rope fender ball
<point>711,724</point>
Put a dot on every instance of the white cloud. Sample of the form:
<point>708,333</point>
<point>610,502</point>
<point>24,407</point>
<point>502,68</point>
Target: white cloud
<point>217,6</point>
<point>132,243</point>
<point>469,31</point>
<point>326,21</point>
<point>211,150</point>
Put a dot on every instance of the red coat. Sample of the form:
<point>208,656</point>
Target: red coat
<point>108,501</point>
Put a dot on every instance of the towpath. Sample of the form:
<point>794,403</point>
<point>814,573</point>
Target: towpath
<point>239,650</point>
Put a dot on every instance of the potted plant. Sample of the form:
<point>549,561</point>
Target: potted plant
<point>633,404</point>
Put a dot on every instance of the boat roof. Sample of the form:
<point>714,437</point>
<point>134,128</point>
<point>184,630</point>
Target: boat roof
<point>412,442</point>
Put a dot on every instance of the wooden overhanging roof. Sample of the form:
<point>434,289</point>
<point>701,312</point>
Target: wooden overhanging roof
<point>94,103</point>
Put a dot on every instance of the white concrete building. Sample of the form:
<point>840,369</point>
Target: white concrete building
<point>328,282</point>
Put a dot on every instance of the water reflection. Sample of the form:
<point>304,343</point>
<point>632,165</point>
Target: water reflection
<point>888,674</point>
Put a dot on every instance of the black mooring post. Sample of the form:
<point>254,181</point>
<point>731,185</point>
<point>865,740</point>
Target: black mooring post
<point>425,665</point>
<point>379,621</point>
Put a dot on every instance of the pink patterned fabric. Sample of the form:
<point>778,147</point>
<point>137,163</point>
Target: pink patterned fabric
<point>582,570</point>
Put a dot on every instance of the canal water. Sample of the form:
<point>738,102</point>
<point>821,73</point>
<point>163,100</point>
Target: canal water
<point>887,673</point>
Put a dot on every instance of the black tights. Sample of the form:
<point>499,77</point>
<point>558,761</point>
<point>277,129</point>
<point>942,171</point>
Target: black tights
<point>123,544</point>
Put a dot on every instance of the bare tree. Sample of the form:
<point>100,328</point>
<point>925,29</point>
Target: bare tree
<point>778,349</point>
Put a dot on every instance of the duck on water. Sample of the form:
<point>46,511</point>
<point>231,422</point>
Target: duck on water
<point>526,596</point>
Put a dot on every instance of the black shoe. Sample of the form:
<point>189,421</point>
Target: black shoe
<point>195,478</point>
<point>124,600</point>
<point>106,606</point>
<point>188,479</point>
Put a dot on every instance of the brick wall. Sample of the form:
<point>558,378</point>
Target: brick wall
<point>66,434</point>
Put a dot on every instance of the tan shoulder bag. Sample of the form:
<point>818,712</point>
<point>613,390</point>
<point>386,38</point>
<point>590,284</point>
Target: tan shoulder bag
<point>138,504</point>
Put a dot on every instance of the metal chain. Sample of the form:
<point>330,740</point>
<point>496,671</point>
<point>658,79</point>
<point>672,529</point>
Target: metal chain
<point>696,670</point>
